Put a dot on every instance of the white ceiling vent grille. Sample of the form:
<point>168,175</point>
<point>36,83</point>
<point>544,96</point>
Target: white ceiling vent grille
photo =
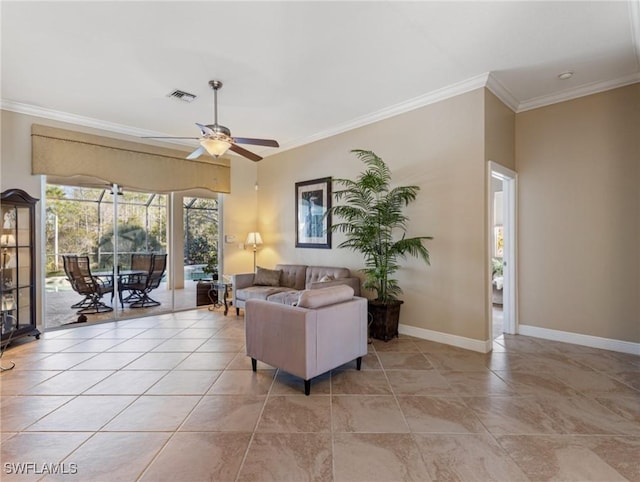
<point>182,95</point>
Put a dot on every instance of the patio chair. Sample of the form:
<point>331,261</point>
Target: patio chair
<point>135,280</point>
<point>158,267</point>
<point>74,284</point>
<point>92,287</point>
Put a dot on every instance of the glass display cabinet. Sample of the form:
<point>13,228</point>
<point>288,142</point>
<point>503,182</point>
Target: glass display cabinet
<point>17,266</point>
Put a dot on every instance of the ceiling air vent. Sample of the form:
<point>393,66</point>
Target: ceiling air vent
<point>181,95</point>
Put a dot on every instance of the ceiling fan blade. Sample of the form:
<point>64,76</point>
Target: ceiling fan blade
<point>206,132</point>
<point>243,152</point>
<point>197,153</point>
<point>167,137</point>
<point>256,142</point>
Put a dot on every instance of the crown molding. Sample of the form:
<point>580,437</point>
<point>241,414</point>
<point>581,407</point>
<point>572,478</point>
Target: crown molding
<point>487,80</point>
<point>45,113</point>
<point>581,91</point>
<point>502,93</point>
<point>438,95</point>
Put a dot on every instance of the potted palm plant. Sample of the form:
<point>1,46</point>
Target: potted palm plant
<point>370,216</point>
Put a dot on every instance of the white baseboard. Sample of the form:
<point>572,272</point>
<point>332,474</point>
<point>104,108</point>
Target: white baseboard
<point>446,338</point>
<point>526,330</point>
<point>579,339</point>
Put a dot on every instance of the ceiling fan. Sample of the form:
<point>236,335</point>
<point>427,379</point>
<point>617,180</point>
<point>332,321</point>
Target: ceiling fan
<point>216,139</point>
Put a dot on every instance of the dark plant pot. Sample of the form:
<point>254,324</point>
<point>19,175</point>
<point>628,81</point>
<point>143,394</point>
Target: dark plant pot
<point>204,294</point>
<point>384,319</point>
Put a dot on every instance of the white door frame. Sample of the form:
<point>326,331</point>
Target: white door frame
<point>509,209</point>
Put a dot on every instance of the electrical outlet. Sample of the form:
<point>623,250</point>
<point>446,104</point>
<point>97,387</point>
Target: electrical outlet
<point>229,238</point>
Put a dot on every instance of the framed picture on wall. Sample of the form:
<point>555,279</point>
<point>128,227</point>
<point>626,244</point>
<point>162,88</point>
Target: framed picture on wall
<point>313,200</point>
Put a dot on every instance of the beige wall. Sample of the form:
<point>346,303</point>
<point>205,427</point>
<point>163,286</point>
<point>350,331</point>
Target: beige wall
<point>15,170</point>
<point>499,147</point>
<point>240,215</point>
<point>499,134</point>
<point>440,148</point>
<point>578,164</point>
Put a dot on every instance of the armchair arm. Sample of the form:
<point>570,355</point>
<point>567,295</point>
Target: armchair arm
<point>102,280</point>
<point>242,280</point>
<point>282,336</point>
<point>239,281</point>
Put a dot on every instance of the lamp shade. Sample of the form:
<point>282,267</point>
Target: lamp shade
<point>7,240</point>
<point>215,147</point>
<point>254,238</point>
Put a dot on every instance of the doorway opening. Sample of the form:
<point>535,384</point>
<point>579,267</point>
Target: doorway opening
<point>502,209</point>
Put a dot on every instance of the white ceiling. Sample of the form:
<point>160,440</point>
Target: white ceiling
<point>300,71</point>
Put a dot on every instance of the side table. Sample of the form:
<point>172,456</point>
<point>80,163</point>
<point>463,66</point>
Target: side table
<point>219,288</point>
<point>203,297</point>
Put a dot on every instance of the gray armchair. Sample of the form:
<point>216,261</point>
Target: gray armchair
<point>327,329</point>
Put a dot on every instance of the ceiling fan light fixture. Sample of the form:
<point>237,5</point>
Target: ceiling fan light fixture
<point>215,147</point>
<point>215,138</point>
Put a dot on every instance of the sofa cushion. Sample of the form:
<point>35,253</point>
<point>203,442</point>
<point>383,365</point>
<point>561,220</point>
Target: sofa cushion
<point>327,277</point>
<point>258,292</point>
<point>316,273</point>
<point>293,275</point>
<point>325,296</point>
<point>267,277</point>
<point>285,297</point>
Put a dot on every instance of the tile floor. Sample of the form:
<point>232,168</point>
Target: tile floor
<point>173,398</point>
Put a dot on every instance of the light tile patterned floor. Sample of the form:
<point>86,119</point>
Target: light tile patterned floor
<point>173,397</point>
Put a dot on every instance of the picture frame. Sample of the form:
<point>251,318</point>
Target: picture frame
<point>313,219</point>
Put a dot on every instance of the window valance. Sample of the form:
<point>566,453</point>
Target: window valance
<point>65,154</point>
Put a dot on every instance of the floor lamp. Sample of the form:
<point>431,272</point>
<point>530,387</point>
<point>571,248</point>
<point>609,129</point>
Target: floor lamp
<point>255,239</point>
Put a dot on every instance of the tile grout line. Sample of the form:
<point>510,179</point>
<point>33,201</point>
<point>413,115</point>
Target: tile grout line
<point>255,428</point>
<point>177,429</point>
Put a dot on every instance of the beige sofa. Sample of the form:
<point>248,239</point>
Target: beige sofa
<point>285,286</point>
<point>326,329</point>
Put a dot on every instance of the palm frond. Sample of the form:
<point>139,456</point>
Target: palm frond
<point>370,213</point>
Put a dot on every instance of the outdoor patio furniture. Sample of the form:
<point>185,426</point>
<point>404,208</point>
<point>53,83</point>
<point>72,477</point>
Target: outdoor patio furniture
<point>92,287</point>
<point>135,280</point>
<point>151,282</point>
<point>74,285</point>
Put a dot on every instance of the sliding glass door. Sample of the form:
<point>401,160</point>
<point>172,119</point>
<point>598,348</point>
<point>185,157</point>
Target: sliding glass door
<point>75,221</point>
<point>124,235</point>
<point>109,227</point>
<point>142,251</point>
<point>200,251</point>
